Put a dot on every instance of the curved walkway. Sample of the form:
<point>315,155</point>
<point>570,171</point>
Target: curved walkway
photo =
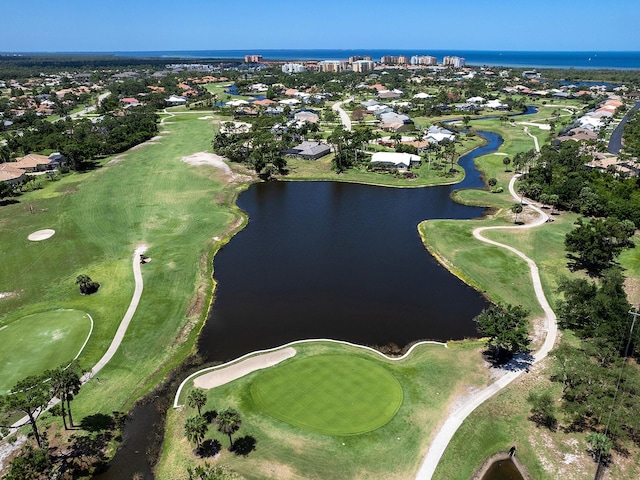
<point>514,368</point>
<point>126,320</point>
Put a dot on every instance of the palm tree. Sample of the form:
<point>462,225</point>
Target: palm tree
<point>506,161</point>
<point>516,208</point>
<point>197,399</point>
<point>195,429</point>
<point>229,422</point>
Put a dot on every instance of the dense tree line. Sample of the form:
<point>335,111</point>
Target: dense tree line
<point>631,135</point>
<point>600,376</point>
<point>561,171</point>
<point>31,65</point>
<point>82,141</point>
<point>261,147</point>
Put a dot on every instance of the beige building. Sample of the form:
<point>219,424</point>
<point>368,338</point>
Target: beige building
<point>332,65</point>
<point>362,66</point>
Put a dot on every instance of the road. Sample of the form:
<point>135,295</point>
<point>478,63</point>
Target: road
<point>344,118</point>
<point>615,142</point>
<point>513,369</point>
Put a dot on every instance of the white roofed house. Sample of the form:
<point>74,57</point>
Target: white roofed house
<point>437,134</point>
<point>402,161</point>
<point>176,100</point>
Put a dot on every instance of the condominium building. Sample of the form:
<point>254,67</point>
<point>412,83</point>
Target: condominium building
<point>394,60</point>
<point>423,60</point>
<point>362,65</point>
<point>332,65</point>
<point>292,68</point>
<point>357,58</point>
<point>453,61</point>
<point>252,58</point>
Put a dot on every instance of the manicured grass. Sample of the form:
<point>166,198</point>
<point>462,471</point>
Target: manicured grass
<point>148,196</point>
<point>329,394</point>
<point>40,341</point>
<point>431,378</point>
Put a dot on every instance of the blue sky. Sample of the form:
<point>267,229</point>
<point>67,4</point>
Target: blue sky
<point>117,25</point>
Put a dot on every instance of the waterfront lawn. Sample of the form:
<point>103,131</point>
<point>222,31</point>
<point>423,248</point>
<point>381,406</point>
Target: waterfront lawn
<point>146,195</point>
<point>426,173</point>
<point>432,377</point>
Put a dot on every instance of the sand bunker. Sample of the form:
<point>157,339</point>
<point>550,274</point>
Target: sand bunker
<point>41,235</point>
<point>237,370</point>
<point>205,158</point>
<point>541,126</point>
<point>206,117</point>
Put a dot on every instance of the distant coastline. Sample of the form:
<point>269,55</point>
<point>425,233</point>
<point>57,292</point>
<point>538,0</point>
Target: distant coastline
<point>585,60</point>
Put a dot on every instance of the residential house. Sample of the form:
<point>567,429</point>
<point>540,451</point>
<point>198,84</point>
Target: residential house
<point>130,101</point>
<point>306,116</point>
<point>396,122</point>
<point>176,100</point>
<point>36,163</point>
<point>9,173</point>
<point>437,134</point>
<point>394,159</point>
<point>309,150</point>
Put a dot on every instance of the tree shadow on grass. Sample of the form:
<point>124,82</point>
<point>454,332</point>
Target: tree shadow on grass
<point>244,445</point>
<point>508,362</point>
<point>209,448</point>
<point>98,422</point>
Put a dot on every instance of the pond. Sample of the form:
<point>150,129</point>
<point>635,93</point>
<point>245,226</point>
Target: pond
<point>341,261</point>
<point>503,470</point>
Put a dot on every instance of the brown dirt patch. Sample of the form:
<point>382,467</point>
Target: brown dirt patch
<point>632,287</point>
<point>206,158</point>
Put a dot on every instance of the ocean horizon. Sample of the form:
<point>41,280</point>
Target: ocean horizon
<point>619,60</point>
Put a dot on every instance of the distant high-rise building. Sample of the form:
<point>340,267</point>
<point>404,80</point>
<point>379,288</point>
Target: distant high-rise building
<point>292,68</point>
<point>452,61</point>
<point>357,58</point>
<point>362,65</point>
<point>423,60</point>
<point>332,65</point>
<point>252,58</point>
<point>394,60</point>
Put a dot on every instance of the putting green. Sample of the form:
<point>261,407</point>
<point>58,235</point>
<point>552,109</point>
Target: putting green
<point>329,394</point>
<point>40,341</point>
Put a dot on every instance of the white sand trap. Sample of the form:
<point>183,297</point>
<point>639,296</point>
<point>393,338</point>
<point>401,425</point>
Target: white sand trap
<point>207,117</point>
<point>541,126</point>
<point>238,370</point>
<point>41,235</point>
<point>205,158</point>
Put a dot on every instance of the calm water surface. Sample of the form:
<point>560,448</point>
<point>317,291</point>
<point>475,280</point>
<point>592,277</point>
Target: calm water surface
<point>342,261</point>
<point>503,470</point>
